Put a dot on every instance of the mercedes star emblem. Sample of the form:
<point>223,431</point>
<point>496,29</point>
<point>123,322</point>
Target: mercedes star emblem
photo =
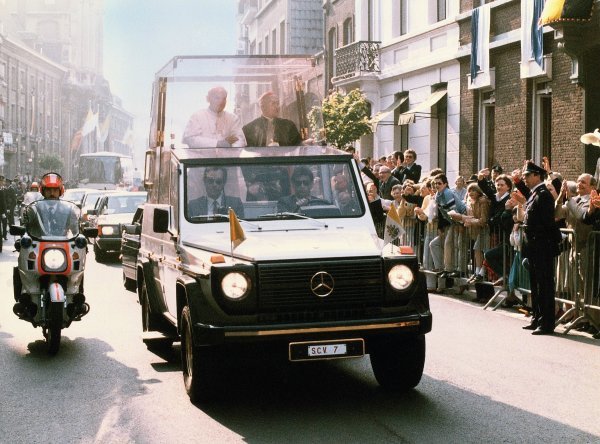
<point>321,284</point>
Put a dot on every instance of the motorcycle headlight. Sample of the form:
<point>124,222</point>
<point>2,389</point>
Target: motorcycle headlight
<point>235,285</point>
<point>54,260</point>
<point>108,230</point>
<point>400,277</point>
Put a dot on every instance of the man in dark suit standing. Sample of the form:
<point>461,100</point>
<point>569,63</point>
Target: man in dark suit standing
<point>411,170</point>
<point>269,129</point>
<point>215,201</point>
<point>540,247</point>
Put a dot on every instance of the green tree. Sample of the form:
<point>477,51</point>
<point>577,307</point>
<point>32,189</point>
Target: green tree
<point>342,118</point>
<point>50,162</point>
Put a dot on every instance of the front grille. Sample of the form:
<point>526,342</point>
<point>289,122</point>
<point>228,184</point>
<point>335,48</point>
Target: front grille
<point>286,287</point>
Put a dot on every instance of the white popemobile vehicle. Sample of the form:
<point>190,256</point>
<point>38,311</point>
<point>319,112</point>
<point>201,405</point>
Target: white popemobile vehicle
<point>261,246</point>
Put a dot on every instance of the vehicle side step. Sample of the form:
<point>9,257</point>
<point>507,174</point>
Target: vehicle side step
<point>154,337</point>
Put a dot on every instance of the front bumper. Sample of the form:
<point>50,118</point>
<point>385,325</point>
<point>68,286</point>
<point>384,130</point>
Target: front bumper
<point>416,324</point>
<point>109,244</point>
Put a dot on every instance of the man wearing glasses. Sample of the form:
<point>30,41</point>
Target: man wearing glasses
<point>441,246</point>
<point>216,201</point>
<point>411,170</point>
<point>302,182</point>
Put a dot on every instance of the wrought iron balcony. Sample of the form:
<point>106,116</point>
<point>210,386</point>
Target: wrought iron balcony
<point>355,58</point>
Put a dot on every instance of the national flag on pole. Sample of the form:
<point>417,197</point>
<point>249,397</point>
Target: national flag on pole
<point>90,124</point>
<point>480,41</point>
<point>128,138</point>
<point>76,141</point>
<point>103,130</point>
<point>235,229</point>
<point>393,226</point>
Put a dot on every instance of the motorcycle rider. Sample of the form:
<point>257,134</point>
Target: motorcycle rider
<point>52,188</point>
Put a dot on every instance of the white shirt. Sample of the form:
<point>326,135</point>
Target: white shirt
<point>209,129</point>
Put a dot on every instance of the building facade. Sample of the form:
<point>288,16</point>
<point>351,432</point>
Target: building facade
<point>51,61</point>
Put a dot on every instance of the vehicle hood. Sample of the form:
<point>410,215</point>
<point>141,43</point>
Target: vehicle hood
<point>115,219</point>
<point>299,244</point>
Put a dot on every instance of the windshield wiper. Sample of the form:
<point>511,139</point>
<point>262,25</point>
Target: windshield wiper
<point>212,218</point>
<point>287,216</point>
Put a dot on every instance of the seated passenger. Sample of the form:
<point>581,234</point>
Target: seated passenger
<point>302,182</point>
<point>215,201</point>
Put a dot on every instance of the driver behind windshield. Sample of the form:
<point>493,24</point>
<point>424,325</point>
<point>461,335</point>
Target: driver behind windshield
<point>215,201</point>
<point>302,182</point>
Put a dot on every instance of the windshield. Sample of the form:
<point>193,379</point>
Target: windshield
<point>260,192</point>
<point>52,219</point>
<point>120,204</point>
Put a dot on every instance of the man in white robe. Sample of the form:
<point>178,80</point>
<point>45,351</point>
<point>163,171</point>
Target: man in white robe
<point>214,127</point>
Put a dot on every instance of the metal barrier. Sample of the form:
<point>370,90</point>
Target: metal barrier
<point>587,307</point>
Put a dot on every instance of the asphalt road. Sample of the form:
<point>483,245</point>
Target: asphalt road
<point>486,380</point>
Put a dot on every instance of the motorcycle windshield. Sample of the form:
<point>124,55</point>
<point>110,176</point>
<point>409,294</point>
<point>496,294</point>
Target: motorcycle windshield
<point>52,220</point>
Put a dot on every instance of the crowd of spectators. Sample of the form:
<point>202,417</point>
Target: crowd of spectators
<point>474,230</point>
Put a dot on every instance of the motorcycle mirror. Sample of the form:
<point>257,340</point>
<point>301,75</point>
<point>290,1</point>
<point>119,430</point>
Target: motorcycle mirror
<point>90,232</point>
<point>17,230</point>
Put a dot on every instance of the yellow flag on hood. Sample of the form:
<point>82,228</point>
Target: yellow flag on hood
<point>393,226</point>
<point>235,229</point>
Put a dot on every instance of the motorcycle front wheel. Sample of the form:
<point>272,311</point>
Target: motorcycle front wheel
<point>55,321</point>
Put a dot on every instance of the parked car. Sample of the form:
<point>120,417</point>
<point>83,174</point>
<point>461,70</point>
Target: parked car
<point>130,245</point>
<point>76,195</point>
<point>112,211</point>
<point>88,202</point>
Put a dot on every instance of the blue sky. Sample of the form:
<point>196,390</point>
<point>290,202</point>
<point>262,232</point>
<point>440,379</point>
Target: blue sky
<point>140,36</point>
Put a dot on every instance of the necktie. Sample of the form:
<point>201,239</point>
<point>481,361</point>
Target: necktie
<point>215,208</point>
<point>270,131</point>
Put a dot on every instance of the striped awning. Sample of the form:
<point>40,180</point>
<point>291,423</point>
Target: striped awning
<point>423,109</point>
<point>561,11</point>
<point>383,114</point>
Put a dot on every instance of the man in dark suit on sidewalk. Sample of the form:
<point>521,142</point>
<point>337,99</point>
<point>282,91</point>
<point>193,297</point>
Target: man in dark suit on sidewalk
<point>540,247</point>
<point>270,129</point>
<point>215,201</point>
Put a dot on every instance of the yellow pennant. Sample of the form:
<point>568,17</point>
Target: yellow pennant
<point>235,229</point>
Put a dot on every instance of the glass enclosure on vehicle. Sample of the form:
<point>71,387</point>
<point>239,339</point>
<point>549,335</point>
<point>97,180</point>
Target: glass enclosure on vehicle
<point>184,114</point>
<point>52,220</point>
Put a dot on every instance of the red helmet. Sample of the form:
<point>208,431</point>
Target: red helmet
<point>52,180</point>
<point>34,185</point>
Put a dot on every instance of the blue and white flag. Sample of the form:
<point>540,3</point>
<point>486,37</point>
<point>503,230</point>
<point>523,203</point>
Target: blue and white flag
<point>480,41</point>
<point>532,38</point>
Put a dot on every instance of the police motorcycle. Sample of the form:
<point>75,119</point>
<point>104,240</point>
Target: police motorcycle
<point>48,280</point>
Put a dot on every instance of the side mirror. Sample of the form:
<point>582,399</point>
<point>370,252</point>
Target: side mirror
<point>134,229</point>
<point>17,230</point>
<point>160,222</point>
<point>90,232</point>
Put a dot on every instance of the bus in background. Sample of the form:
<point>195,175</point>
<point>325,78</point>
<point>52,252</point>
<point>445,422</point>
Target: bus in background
<point>105,171</point>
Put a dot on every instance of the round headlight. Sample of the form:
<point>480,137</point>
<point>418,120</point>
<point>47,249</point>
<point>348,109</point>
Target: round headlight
<point>400,277</point>
<point>54,260</point>
<point>235,285</point>
<point>108,230</point>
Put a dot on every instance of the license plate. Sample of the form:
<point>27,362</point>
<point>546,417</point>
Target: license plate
<point>307,351</point>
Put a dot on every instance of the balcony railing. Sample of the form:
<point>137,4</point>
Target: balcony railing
<point>357,57</point>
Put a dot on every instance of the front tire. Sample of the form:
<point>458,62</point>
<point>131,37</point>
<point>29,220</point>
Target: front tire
<point>198,363</point>
<point>99,254</point>
<point>150,321</point>
<point>398,361</point>
<point>55,321</point>
<point>129,284</point>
